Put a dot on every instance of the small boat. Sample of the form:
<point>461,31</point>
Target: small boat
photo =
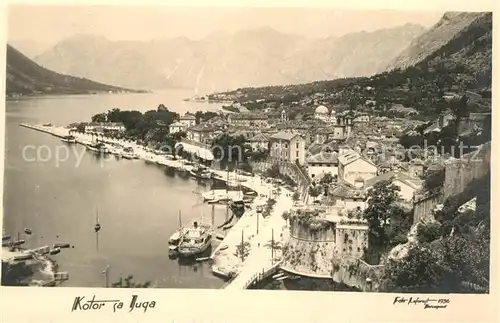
<point>201,172</point>
<point>5,237</point>
<point>176,237</point>
<point>116,149</point>
<point>18,242</point>
<point>47,124</point>
<point>224,247</point>
<point>150,159</point>
<point>219,236</point>
<point>195,241</point>
<point>61,245</point>
<point>97,226</point>
<point>202,259</point>
<point>98,148</point>
<point>238,207</point>
<point>69,139</point>
<point>42,250</point>
<point>281,278</point>
<point>55,251</point>
<point>28,231</point>
<point>128,153</point>
<point>23,257</point>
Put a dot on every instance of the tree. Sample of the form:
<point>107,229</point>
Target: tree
<point>243,250</point>
<point>421,271</point>
<point>327,179</point>
<point>428,232</point>
<point>401,221</point>
<point>202,116</point>
<point>315,190</point>
<point>378,213</point>
<point>80,128</point>
<point>296,196</point>
<point>273,172</point>
<point>230,149</point>
<point>434,180</point>
<point>101,117</point>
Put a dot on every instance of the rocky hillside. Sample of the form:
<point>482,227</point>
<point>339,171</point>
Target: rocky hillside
<point>469,52</point>
<point>453,27</point>
<point>223,61</point>
<point>25,77</point>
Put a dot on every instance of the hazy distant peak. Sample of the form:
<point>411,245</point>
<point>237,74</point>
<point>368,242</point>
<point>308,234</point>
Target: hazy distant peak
<point>227,59</point>
<point>83,38</point>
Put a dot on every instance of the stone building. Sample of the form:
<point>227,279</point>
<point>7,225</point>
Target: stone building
<point>288,146</point>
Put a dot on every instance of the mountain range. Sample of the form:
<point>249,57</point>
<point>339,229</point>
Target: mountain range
<point>223,61</point>
<point>25,77</point>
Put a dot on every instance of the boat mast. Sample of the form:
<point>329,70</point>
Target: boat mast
<point>180,221</point>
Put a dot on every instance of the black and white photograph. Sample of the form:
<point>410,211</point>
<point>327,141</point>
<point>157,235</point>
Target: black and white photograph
<point>248,148</point>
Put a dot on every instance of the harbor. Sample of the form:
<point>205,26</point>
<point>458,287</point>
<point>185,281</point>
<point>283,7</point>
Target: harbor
<point>251,229</point>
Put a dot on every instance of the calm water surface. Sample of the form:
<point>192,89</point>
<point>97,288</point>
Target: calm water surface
<point>138,204</point>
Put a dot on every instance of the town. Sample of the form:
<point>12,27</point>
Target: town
<point>378,183</point>
<point>367,190</point>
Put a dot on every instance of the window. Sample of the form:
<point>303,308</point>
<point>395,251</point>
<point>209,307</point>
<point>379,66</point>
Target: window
<point>297,145</point>
<point>297,154</point>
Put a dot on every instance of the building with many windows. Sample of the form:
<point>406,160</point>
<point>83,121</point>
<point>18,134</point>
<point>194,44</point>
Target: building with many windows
<point>288,146</point>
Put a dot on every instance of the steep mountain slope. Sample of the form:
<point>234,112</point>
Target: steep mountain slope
<point>25,77</point>
<point>224,61</point>
<point>468,53</point>
<point>448,27</point>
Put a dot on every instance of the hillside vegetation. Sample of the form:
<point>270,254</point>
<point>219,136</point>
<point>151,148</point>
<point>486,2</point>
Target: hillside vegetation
<point>25,77</point>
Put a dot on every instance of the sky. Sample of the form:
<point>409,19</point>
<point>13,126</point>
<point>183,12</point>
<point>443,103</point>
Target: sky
<point>45,24</point>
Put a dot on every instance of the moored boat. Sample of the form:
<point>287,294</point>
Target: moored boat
<point>98,148</point>
<point>237,206</point>
<point>176,237</point>
<point>128,153</point>
<point>195,241</point>
<point>69,139</point>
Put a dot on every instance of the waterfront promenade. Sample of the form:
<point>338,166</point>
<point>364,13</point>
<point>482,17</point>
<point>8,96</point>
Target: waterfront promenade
<point>225,260</point>
<point>261,257</point>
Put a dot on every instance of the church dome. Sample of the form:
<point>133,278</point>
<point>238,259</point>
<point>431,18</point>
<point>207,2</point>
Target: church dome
<point>321,110</point>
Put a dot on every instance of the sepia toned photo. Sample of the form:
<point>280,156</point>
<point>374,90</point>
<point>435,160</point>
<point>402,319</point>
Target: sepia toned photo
<point>290,149</point>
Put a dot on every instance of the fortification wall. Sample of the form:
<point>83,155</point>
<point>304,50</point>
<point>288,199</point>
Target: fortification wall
<point>308,252</point>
